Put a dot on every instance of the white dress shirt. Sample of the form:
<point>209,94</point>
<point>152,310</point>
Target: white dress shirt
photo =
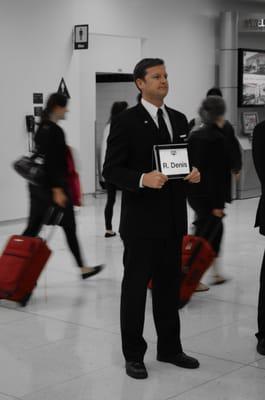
<point>152,110</point>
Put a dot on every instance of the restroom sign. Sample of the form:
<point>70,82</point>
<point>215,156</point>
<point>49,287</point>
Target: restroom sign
<point>81,37</point>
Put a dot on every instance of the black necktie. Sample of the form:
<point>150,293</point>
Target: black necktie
<point>163,130</point>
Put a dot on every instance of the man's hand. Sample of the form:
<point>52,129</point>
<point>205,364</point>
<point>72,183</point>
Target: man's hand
<point>194,176</point>
<point>218,213</point>
<point>154,180</point>
<point>236,175</point>
<point>59,197</point>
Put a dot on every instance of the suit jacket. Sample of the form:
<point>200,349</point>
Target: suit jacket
<point>145,212</point>
<point>258,149</point>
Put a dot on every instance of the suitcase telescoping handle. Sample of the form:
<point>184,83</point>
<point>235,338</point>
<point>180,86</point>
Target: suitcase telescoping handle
<point>210,239</point>
<point>47,219</point>
<point>215,231</point>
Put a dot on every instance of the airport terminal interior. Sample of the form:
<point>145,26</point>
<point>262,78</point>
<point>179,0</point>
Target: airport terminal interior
<point>65,343</point>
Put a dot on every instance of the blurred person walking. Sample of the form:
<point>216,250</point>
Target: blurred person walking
<point>233,163</point>
<point>208,198</point>
<point>56,193</point>
<point>116,109</point>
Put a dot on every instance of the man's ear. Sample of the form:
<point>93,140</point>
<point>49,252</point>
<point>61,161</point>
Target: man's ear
<point>139,83</point>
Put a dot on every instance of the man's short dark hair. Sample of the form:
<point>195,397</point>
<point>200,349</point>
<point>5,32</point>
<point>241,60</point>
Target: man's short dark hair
<point>215,91</point>
<point>140,68</point>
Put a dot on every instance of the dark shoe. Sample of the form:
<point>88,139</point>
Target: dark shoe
<point>181,360</point>
<point>136,369</point>
<point>108,235</point>
<point>96,270</point>
<point>219,280</point>
<point>261,347</point>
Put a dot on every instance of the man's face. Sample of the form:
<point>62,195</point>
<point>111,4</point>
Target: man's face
<point>155,83</point>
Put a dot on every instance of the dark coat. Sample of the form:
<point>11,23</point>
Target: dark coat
<point>258,148</point>
<point>147,213</point>
<point>50,141</point>
<point>233,154</point>
<point>210,155</point>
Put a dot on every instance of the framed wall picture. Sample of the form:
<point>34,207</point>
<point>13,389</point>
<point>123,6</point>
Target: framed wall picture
<point>251,78</point>
<point>249,120</point>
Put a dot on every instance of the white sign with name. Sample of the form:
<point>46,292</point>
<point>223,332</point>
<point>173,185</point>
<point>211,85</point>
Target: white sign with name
<point>173,161</point>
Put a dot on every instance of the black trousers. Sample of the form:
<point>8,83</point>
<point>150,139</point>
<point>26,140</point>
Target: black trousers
<point>206,223</point>
<point>261,305</point>
<point>159,259</point>
<point>111,197</point>
<point>40,202</point>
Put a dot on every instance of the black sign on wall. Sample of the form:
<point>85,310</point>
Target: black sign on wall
<point>37,98</point>
<point>63,89</point>
<point>81,37</point>
<point>38,111</point>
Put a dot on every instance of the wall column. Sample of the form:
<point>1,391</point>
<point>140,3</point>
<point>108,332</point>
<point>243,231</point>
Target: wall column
<point>228,63</point>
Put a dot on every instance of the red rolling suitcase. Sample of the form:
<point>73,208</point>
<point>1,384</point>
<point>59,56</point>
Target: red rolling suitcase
<point>197,256</point>
<point>21,264</point>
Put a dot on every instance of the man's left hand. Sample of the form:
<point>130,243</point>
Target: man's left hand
<point>236,175</point>
<point>194,176</point>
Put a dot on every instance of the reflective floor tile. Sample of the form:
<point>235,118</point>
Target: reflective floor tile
<point>245,384</point>
<point>164,381</point>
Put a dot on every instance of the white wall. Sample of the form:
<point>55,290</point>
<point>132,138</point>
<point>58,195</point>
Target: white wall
<point>36,51</point>
<point>105,54</point>
<point>184,33</point>
<point>35,43</point>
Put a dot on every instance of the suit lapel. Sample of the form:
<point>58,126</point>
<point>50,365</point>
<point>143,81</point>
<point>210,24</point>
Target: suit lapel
<point>150,125</point>
<point>147,120</point>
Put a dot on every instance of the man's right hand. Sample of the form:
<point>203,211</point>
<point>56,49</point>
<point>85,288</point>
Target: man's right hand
<point>154,180</point>
<point>59,197</point>
<point>218,212</point>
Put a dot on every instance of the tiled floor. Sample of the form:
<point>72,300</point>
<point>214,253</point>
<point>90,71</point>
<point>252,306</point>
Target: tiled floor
<point>67,346</point>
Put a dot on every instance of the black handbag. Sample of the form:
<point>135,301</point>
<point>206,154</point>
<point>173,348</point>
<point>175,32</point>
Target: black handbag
<point>32,168</point>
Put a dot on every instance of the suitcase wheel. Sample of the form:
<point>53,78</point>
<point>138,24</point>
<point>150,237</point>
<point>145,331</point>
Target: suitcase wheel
<point>25,300</point>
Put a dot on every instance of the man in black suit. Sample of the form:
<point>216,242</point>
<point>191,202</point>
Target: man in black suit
<point>259,156</point>
<point>153,218</point>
